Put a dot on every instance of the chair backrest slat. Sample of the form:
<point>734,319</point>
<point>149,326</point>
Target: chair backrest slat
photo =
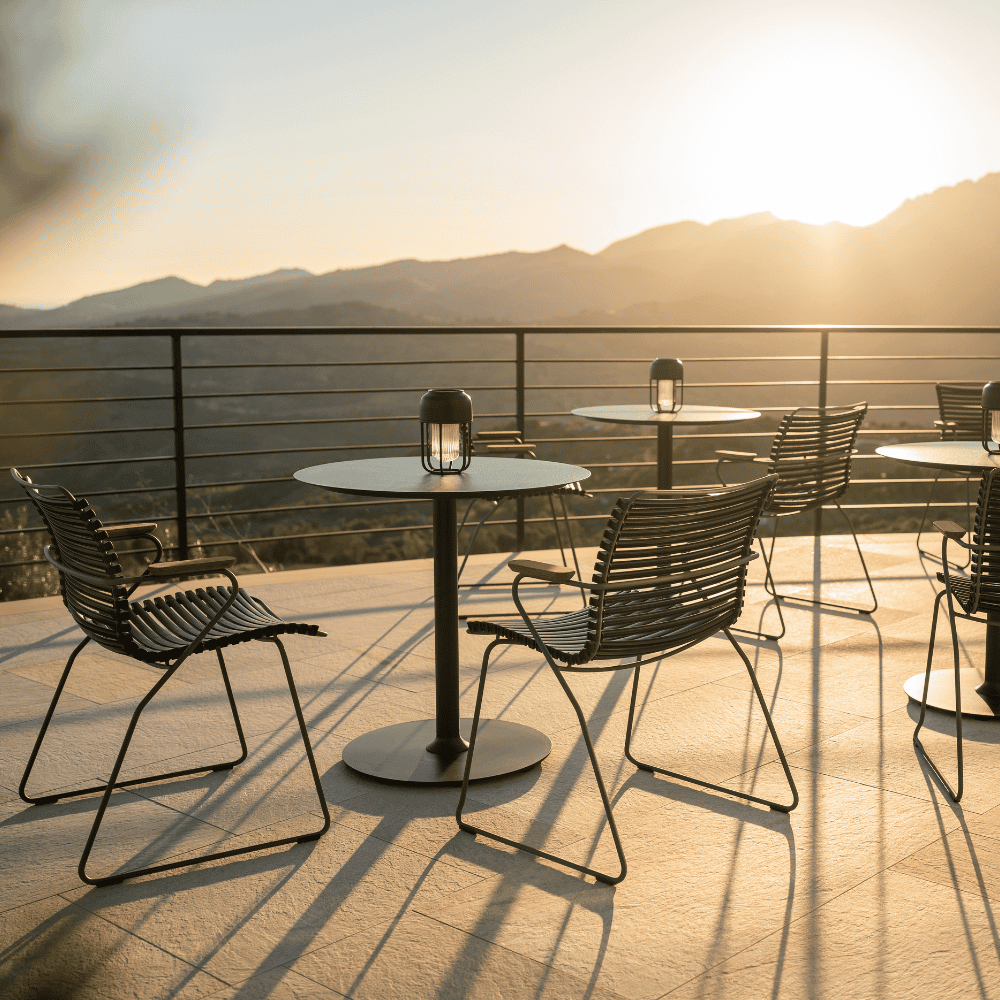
<point>985,568</point>
<point>669,533</point>
<point>812,456</point>
<point>81,544</point>
<point>961,405</point>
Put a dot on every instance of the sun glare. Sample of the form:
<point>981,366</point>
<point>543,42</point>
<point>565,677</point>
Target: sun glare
<point>823,125</point>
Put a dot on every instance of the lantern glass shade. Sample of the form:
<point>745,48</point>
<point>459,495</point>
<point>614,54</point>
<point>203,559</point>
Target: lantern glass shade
<point>445,431</point>
<point>991,417</point>
<point>446,442</point>
<point>666,385</point>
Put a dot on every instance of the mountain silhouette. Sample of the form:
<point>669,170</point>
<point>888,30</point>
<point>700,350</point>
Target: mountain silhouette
<point>934,260</point>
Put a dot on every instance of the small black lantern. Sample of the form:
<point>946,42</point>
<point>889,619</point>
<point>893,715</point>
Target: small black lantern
<point>991,417</point>
<point>666,385</point>
<point>445,431</point>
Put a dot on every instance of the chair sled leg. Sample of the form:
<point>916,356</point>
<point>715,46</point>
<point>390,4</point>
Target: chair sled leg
<point>113,784</point>
<point>707,784</point>
<point>824,604</point>
<point>956,796</point>
<point>22,788</point>
<point>229,765</point>
<point>768,588</point>
<point>923,521</point>
<point>469,828</point>
<point>166,775</point>
<point>475,533</point>
<point>572,545</point>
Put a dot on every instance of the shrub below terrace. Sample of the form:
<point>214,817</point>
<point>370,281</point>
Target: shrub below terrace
<point>20,582</point>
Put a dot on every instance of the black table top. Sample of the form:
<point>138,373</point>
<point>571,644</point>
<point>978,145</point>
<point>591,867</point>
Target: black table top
<point>689,413</point>
<point>967,456</point>
<point>485,477</point>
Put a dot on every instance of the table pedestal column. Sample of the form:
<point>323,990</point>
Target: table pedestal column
<point>432,751</point>
<point>664,456</point>
<point>448,740</point>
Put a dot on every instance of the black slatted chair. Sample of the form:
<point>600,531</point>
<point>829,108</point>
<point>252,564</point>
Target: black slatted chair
<point>671,571</point>
<point>977,595</point>
<point>811,455</point>
<point>512,443</point>
<point>960,408</point>
<point>162,632</point>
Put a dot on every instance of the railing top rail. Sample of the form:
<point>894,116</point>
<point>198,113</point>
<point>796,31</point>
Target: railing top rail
<point>399,331</point>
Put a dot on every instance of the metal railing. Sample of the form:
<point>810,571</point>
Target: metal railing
<point>168,391</point>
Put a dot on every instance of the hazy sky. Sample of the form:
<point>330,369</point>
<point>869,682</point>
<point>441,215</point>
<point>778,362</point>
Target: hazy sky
<point>225,138</point>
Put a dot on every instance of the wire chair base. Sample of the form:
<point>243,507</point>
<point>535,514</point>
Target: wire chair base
<point>478,831</point>
<point>923,521</point>
<point>777,806</point>
<point>609,815</point>
<point>559,542</point>
<point>113,783</point>
<point>771,588</point>
<point>956,796</point>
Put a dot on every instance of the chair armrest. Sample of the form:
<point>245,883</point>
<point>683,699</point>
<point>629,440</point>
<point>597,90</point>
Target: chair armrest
<point>129,530</point>
<point>189,567</point>
<point>738,456</point>
<point>106,582</point>
<point>498,435</point>
<point>945,423</point>
<point>951,529</point>
<point>513,448</point>
<point>550,572</point>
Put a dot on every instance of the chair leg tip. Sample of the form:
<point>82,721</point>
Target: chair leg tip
<point>100,883</point>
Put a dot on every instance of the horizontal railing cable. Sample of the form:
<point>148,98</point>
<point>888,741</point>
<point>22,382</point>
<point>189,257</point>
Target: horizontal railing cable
<point>267,416</point>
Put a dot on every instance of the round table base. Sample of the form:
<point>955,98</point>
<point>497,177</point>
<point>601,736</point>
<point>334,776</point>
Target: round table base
<point>398,753</point>
<point>941,693</point>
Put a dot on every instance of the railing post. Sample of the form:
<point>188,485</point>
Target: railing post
<point>519,407</point>
<point>180,464</point>
<point>824,363</point>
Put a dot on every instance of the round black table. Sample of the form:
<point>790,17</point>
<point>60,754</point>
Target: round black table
<point>688,414</point>
<point>981,699</point>
<point>432,751</point>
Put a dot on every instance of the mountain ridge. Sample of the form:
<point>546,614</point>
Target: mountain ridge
<point>934,259</point>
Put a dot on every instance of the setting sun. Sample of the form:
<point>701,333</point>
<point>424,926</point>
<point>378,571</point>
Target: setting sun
<point>820,121</point>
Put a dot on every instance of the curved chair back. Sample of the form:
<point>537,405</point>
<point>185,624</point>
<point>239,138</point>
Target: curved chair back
<point>961,410</point>
<point>984,572</point>
<point>656,534</point>
<point>82,545</point>
<point>811,453</point>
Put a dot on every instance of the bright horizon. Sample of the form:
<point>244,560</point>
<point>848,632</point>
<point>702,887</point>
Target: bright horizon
<point>221,141</point>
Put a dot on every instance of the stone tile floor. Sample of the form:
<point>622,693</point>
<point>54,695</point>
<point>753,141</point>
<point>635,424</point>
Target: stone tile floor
<point>875,887</point>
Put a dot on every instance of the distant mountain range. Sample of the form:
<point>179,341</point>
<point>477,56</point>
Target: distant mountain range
<point>935,260</point>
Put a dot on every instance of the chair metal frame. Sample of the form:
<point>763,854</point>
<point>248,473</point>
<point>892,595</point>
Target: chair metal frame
<point>977,594</point>
<point>512,443</point>
<point>961,412</point>
<point>96,593</point>
<point>811,455</point>
<point>662,584</point>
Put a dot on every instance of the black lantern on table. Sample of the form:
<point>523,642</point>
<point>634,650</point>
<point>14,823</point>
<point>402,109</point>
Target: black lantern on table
<point>666,385</point>
<point>445,431</point>
<point>991,417</point>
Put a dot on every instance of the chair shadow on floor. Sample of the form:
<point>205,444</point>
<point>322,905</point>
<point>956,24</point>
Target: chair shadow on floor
<point>976,887</point>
